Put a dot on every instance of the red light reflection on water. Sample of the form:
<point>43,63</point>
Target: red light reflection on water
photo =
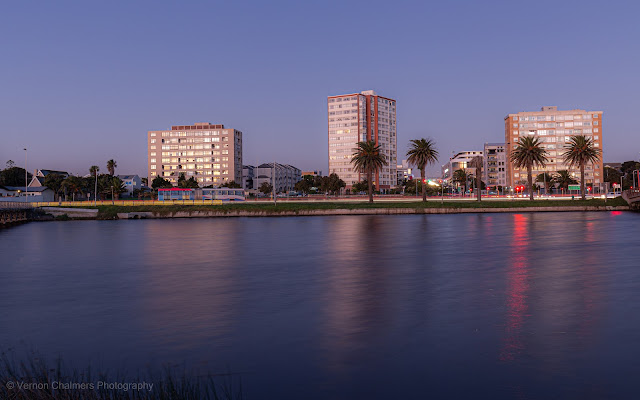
<point>616,213</point>
<point>517,290</point>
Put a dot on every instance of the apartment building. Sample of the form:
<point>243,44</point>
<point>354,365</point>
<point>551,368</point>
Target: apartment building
<point>360,117</point>
<point>460,160</point>
<point>211,154</point>
<point>286,176</point>
<point>554,128</point>
<point>494,171</point>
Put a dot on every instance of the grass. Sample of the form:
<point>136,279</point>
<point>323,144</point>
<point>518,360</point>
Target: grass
<point>38,380</point>
<point>110,212</point>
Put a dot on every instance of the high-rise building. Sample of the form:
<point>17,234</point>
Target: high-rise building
<point>554,128</point>
<point>360,117</point>
<point>494,170</point>
<point>211,154</point>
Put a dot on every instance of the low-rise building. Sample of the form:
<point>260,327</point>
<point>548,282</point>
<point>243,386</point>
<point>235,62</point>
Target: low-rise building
<point>286,176</point>
<point>131,182</point>
<point>460,160</point>
<point>34,194</point>
<point>39,176</point>
<point>404,171</point>
<point>311,173</point>
<point>248,176</point>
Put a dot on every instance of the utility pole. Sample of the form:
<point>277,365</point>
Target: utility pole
<point>26,177</point>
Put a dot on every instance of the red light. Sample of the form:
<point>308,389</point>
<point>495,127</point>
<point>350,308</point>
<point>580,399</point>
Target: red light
<point>424,181</point>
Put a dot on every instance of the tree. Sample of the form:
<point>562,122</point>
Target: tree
<point>302,186</point>
<point>333,184</point>
<point>160,182</point>
<point>93,170</point>
<point>546,179</point>
<point>145,181</point>
<point>563,179</point>
<point>529,153</point>
<point>461,176</point>
<point>190,183</point>
<point>581,151</point>
<point>111,166</point>
<point>14,176</point>
<point>361,186</point>
<point>266,188</point>
<point>73,185</point>
<point>477,163</point>
<point>231,185</point>
<point>117,187</point>
<point>422,153</point>
<point>54,182</point>
<point>368,159</point>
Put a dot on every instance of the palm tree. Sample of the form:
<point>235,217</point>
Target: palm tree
<point>580,151</point>
<point>546,179</point>
<point>477,163</point>
<point>563,178</point>
<point>462,177</point>
<point>422,153</point>
<point>529,153</point>
<point>366,158</point>
<point>111,166</point>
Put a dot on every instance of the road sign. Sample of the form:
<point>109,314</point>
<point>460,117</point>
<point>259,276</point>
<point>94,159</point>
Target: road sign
<point>574,187</point>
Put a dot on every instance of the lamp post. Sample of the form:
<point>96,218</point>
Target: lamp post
<point>26,177</point>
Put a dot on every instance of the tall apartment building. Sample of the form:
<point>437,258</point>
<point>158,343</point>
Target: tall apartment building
<point>209,153</point>
<point>494,170</point>
<point>360,117</point>
<point>554,128</point>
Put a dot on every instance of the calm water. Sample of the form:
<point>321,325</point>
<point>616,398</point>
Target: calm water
<point>379,307</point>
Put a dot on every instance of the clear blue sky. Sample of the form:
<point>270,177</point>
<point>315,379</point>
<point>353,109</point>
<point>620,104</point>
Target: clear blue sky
<point>83,82</point>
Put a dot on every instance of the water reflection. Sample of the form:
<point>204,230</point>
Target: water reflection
<point>345,307</point>
<point>518,284</point>
<point>191,270</point>
<point>357,288</point>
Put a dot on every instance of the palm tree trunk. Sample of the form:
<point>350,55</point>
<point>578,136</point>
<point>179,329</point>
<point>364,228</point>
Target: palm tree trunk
<point>478,187</point>
<point>424,187</point>
<point>530,181</point>
<point>582,187</point>
<point>370,183</point>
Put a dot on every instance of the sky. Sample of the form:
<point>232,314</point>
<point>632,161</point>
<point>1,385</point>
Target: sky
<point>82,82</point>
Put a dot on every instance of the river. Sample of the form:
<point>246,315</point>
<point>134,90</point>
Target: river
<point>531,305</point>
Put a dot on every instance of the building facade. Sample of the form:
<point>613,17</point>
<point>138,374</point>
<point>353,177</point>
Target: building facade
<point>211,154</point>
<point>286,176</point>
<point>460,160</point>
<point>404,172</point>
<point>131,182</point>
<point>248,172</point>
<point>554,128</point>
<point>494,171</point>
<point>361,117</point>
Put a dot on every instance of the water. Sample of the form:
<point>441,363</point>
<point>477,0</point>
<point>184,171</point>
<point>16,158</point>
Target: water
<point>483,305</point>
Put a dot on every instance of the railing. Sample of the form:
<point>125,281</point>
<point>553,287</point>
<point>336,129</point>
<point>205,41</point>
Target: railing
<point>17,205</point>
<point>125,203</point>
<point>633,194</point>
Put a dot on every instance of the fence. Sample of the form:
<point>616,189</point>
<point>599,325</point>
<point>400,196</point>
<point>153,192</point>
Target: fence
<point>15,205</point>
<point>124,203</point>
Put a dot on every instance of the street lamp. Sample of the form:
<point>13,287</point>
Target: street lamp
<point>26,177</point>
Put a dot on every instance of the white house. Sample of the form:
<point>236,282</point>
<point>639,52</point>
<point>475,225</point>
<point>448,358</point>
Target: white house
<point>131,182</point>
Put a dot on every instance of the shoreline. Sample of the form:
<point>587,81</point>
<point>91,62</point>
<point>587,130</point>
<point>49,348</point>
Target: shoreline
<point>321,209</point>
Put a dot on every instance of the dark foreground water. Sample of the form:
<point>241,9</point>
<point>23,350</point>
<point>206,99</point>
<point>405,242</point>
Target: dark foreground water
<point>373,307</point>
